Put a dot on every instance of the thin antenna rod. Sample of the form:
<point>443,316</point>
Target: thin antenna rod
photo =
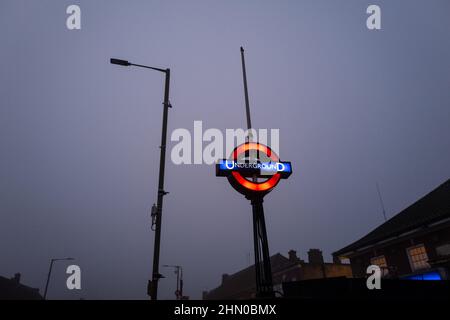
<point>247,104</point>
<point>381,201</point>
<point>252,155</point>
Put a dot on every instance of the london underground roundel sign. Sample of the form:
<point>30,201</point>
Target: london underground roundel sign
<point>253,169</point>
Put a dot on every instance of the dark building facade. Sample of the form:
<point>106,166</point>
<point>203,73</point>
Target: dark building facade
<point>414,244</point>
<point>12,289</point>
<point>241,285</point>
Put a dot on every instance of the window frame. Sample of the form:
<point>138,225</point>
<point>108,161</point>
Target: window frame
<point>385,268</point>
<point>411,262</point>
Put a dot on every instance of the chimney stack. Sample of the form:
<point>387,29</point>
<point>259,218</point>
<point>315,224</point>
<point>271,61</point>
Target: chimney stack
<point>315,256</point>
<point>224,277</point>
<point>293,256</point>
<point>16,277</point>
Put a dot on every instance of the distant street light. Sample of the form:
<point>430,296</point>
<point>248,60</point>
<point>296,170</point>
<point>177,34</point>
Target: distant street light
<point>179,273</point>
<point>50,272</point>
<point>156,214</point>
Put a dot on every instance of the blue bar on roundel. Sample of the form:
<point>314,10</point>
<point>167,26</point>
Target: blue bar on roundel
<point>224,167</point>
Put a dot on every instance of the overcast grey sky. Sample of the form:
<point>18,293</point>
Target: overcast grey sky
<point>79,137</point>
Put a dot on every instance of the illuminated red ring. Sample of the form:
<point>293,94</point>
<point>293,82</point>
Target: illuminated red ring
<point>256,186</point>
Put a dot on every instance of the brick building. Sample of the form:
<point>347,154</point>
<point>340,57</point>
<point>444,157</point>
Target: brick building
<point>414,244</point>
<point>241,285</point>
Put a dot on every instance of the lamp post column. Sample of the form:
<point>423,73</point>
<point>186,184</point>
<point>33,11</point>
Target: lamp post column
<point>48,278</point>
<point>161,193</point>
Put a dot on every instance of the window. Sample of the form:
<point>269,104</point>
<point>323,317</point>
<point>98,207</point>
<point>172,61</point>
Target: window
<point>418,258</point>
<point>381,262</point>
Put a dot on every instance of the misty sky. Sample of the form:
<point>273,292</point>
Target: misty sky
<point>79,137</point>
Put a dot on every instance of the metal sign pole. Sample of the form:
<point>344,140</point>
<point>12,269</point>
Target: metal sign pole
<point>263,273</point>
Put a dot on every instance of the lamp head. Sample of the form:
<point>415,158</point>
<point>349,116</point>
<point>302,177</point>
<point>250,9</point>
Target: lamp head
<point>120,62</point>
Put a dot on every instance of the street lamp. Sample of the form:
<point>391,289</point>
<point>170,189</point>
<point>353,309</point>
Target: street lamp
<point>157,213</point>
<point>179,273</point>
<point>50,272</point>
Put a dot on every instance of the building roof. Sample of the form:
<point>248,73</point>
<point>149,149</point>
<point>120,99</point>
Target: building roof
<point>433,207</point>
<point>12,289</point>
<point>243,282</point>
